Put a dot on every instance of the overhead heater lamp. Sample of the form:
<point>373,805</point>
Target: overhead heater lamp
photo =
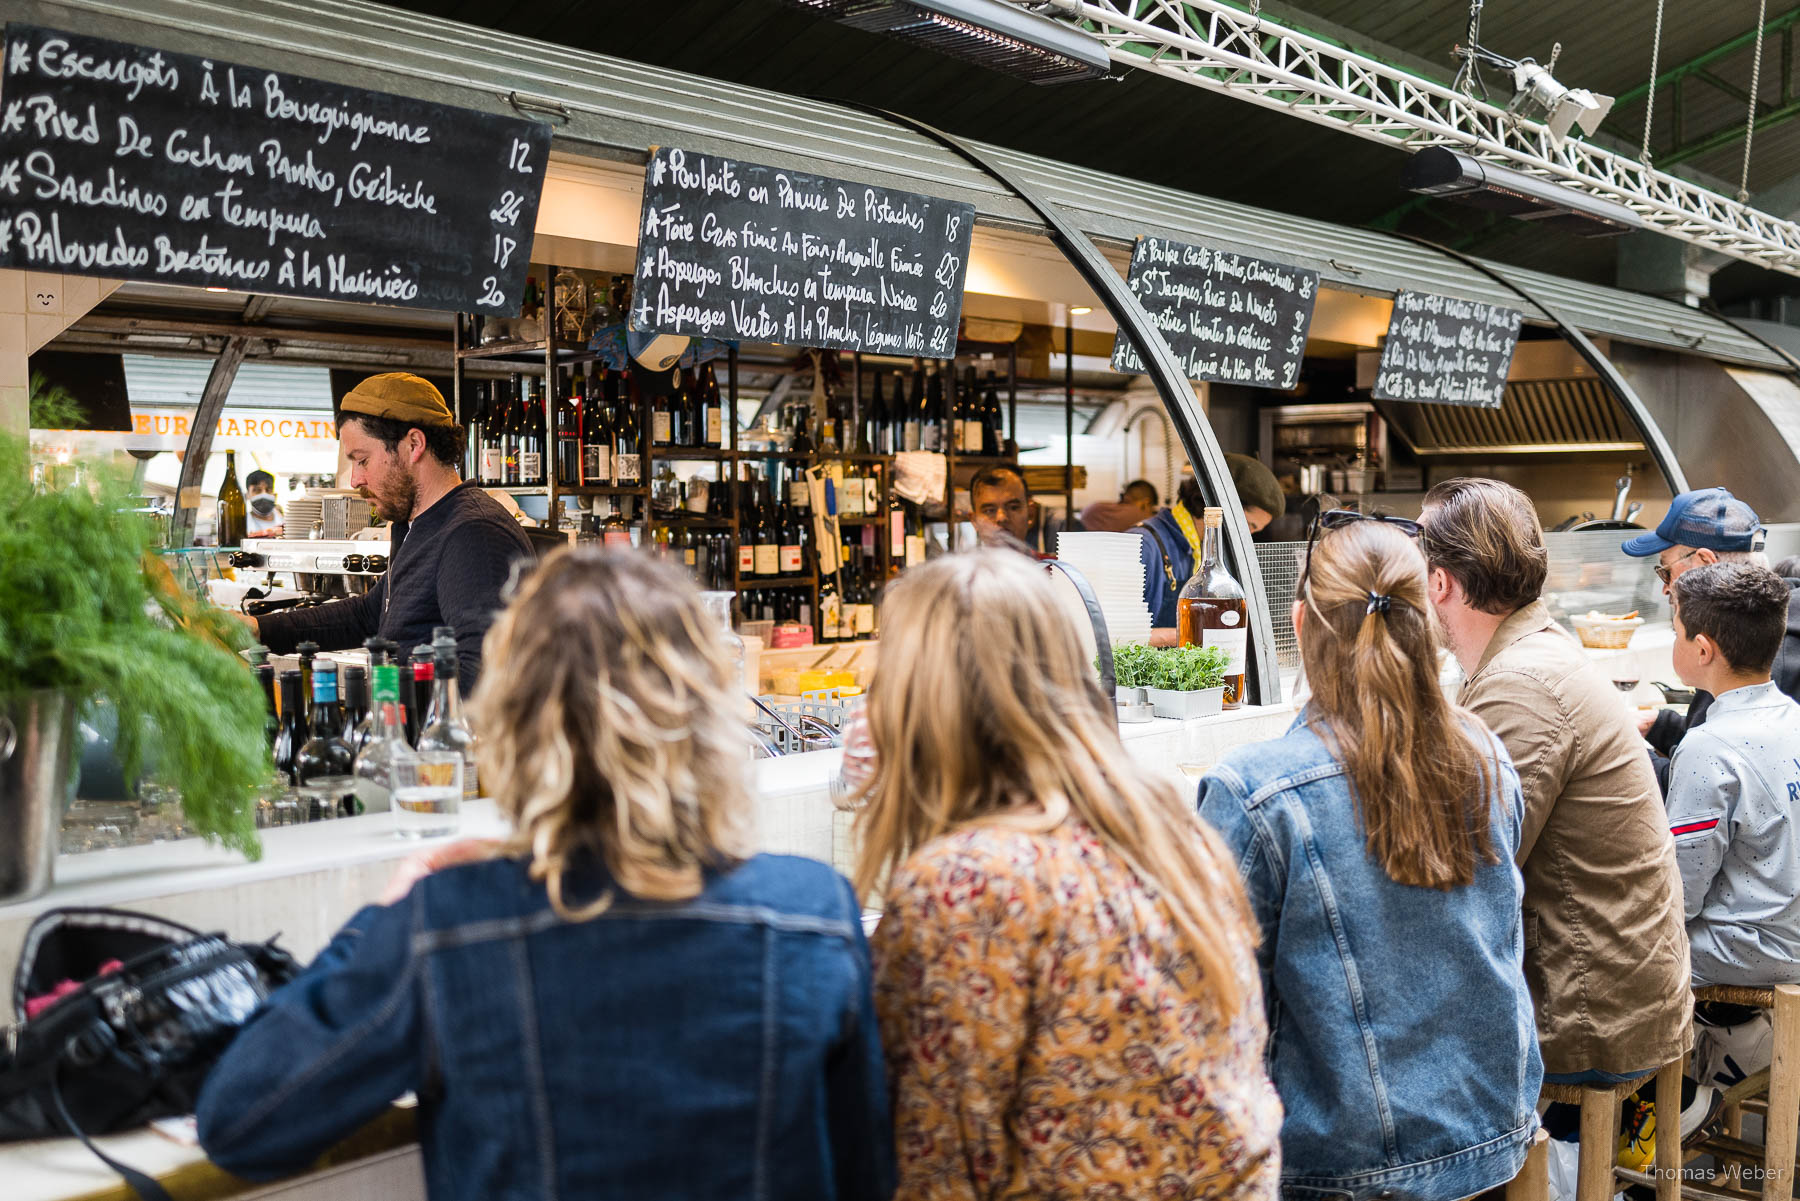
<point>1441,171</point>
<point>988,33</point>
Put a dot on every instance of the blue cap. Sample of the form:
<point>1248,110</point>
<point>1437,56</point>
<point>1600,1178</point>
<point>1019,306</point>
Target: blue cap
<point>1708,517</point>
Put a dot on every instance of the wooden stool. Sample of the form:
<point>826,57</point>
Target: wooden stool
<point>1533,1181</point>
<point>1599,1147</point>
<point>1780,1082</point>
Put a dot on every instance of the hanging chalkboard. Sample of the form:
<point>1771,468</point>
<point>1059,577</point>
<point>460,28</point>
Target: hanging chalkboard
<point>1441,350</point>
<point>133,163</point>
<point>1228,317</point>
<point>761,254</point>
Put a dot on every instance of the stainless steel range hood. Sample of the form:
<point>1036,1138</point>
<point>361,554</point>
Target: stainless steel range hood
<point>1554,405</point>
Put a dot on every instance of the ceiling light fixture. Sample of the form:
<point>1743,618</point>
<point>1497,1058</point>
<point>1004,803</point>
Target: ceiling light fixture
<point>1534,87</point>
<point>1440,171</point>
<point>990,33</point>
<point>1081,310</point>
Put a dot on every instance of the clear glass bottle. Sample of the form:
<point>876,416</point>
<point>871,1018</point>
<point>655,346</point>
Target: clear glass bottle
<point>448,731</point>
<point>1212,611</point>
<point>374,783</point>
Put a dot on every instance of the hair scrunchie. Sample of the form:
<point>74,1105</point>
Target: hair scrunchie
<point>1378,603</point>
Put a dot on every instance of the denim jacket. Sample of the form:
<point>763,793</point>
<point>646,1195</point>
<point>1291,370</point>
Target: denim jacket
<point>722,1047</point>
<point>1401,1036</point>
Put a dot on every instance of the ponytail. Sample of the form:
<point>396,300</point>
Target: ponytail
<point>1420,780</point>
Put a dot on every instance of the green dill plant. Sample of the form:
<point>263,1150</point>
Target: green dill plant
<point>87,611</point>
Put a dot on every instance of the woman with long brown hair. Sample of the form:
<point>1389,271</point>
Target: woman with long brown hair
<point>1376,839</point>
<point>1065,971</point>
<point>621,1000</point>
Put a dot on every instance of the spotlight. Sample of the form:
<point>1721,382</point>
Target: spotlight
<point>1562,106</point>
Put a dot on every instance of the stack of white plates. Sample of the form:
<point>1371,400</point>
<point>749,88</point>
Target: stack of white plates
<point>301,512</point>
<point>1114,568</point>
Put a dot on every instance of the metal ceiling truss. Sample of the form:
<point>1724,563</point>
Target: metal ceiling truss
<point>1213,45</point>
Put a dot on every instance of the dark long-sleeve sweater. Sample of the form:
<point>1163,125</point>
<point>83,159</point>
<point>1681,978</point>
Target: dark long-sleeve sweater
<point>444,569</point>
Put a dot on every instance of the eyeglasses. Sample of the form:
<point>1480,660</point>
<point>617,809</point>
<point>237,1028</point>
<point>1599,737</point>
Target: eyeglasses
<point>1666,571</point>
<point>1337,519</point>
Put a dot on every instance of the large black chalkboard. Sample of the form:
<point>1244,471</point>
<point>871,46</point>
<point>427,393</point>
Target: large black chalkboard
<point>1228,317</point>
<point>736,250</point>
<point>1441,350</point>
<point>134,163</point>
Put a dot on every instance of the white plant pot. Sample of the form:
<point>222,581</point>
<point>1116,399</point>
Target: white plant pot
<point>1183,706</point>
<point>1129,696</point>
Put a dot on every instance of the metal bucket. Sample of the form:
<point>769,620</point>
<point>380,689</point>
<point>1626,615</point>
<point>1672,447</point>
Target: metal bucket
<point>37,734</point>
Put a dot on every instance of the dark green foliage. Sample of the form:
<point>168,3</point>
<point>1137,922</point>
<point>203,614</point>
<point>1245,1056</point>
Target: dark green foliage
<point>78,615</point>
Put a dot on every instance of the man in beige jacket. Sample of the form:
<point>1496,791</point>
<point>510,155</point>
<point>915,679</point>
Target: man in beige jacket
<point>1606,952</point>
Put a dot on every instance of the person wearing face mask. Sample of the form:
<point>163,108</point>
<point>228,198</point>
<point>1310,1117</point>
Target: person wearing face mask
<point>265,519</point>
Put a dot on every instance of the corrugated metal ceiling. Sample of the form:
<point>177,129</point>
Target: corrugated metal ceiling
<point>618,108</point>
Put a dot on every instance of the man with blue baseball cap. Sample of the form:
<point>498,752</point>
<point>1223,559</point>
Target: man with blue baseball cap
<point>1709,525</point>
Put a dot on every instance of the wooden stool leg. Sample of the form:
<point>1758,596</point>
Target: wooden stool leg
<point>1782,1128</point>
<point>1599,1144</point>
<point>1668,1132</point>
<point>1533,1181</point>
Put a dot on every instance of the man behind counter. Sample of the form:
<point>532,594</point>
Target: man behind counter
<point>453,546</point>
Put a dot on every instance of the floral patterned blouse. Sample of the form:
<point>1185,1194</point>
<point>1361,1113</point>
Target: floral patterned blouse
<point>1047,1036</point>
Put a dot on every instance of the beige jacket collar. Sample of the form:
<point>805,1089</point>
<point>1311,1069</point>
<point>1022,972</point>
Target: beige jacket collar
<point>1529,620</point>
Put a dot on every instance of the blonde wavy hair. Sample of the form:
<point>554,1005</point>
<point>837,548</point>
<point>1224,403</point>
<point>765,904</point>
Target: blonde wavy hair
<point>608,710</point>
<point>984,710</point>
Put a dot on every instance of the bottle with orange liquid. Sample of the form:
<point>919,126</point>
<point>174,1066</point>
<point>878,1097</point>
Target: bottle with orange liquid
<point>1211,610</point>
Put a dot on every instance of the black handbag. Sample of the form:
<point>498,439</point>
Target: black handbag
<point>129,1045</point>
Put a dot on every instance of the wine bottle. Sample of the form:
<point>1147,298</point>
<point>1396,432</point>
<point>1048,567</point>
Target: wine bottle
<point>712,407</point>
<point>513,435</point>
<point>931,417</point>
<point>417,717</point>
<point>768,535</point>
<point>791,551</point>
<point>596,436</point>
<point>291,735</point>
<point>533,460</point>
<point>490,459</point>
<point>662,419</point>
<point>746,565</point>
<point>325,767</point>
<point>234,513</point>
<point>850,493</point>
<point>568,435</point>
<point>913,432</point>
<point>1211,610</point>
<point>356,703</point>
<point>875,419</point>
<point>627,432</point>
<point>265,680</point>
<point>447,731</point>
<point>991,443</point>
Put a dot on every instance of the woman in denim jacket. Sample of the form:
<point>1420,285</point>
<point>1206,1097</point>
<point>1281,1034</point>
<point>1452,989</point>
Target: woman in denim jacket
<point>1376,839</point>
<point>623,1001</point>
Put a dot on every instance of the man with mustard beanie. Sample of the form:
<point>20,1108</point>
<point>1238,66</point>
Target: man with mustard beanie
<point>453,546</point>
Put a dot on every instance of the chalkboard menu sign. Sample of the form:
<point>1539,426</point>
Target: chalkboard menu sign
<point>132,163</point>
<point>1441,350</point>
<point>1229,318</point>
<point>735,250</point>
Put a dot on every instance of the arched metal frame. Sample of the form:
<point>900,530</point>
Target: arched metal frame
<point>1584,346</point>
<point>1203,451</point>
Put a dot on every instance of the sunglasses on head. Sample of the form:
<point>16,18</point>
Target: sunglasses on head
<point>1337,519</point>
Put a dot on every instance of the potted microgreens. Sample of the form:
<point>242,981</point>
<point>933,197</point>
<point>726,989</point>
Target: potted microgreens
<point>1134,669</point>
<point>89,616</point>
<point>1188,681</point>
